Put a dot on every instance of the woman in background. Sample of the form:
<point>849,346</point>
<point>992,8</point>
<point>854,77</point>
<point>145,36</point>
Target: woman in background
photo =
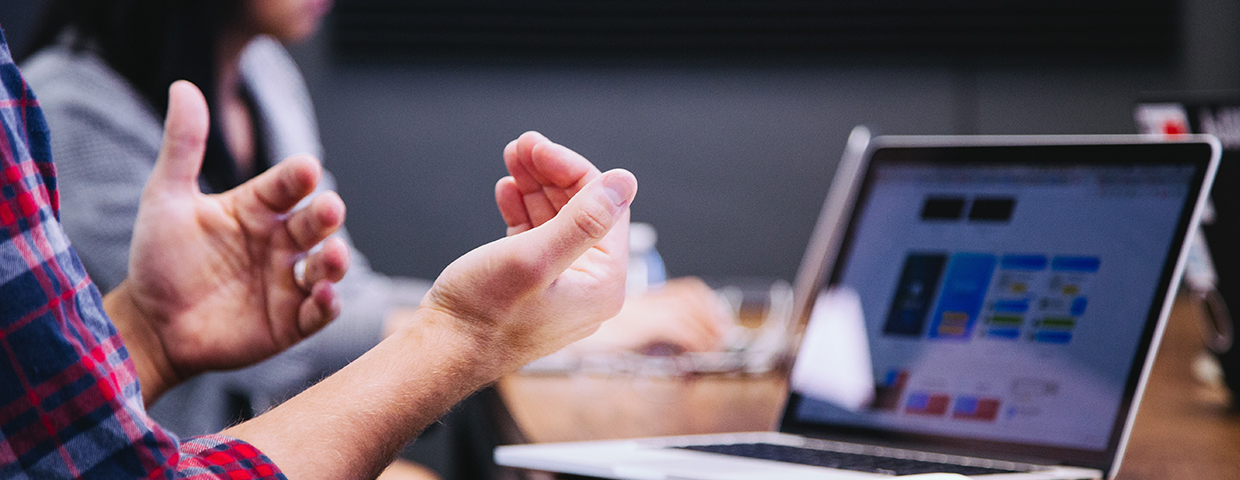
<point>102,69</point>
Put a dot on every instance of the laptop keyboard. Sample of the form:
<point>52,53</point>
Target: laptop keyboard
<point>840,460</point>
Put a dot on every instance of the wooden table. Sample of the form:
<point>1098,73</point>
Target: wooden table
<point>1184,429</point>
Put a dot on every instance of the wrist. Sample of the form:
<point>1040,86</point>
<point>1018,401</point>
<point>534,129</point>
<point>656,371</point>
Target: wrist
<point>396,318</point>
<point>136,327</point>
<point>482,357</point>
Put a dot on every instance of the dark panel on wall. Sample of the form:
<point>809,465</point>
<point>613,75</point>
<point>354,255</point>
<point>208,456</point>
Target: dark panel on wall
<point>17,19</point>
<point>371,29</point>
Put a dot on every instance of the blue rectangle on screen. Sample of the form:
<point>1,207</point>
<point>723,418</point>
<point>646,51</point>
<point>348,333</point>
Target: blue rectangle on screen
<point>962,293</point>
<point>1075,264</point>
<point>1078,306</point>
<point>1005,333</point>
<point>1053,337</point>
<point>965,405</point>
<point>918,401</point>
<point>1011,306</point>
<point>1023,262</point>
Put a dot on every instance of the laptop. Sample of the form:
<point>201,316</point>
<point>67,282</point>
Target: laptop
<point>1008,295</point>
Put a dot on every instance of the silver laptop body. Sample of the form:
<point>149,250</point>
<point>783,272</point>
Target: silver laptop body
<point>1003,296</point>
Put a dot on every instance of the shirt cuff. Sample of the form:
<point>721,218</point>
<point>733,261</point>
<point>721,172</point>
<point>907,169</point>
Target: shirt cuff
<point>224,457</point>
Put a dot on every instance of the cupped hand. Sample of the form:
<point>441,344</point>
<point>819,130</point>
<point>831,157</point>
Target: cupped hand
<point>561,270</point>
<point>211,276</point>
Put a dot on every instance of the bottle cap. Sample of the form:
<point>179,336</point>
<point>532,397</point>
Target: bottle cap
<point>641,237</point>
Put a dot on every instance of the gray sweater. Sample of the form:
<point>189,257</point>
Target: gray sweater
<point>105,138</point>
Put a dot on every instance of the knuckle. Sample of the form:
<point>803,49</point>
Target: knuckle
<point>593,221</point>
<point>288,185</point>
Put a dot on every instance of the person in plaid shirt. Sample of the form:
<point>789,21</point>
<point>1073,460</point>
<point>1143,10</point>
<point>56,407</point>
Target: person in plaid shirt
<point>213,284</point>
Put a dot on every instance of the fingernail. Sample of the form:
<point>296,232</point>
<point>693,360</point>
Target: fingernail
<point>618,189</point>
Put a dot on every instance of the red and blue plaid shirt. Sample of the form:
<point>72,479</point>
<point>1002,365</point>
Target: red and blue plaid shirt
<point>70,403</point>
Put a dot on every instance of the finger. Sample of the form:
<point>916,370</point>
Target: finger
<point>680,325</point>
<point>518,158</point>
<point>693,340</point>
<point>546,173</point>
<point>560,166</point>
<point>329,263</point>
<point>185,141</point>
<point>538,207</point>
<point>562,172</point>
<point>585,222</point>
<point>282,186</point>
<point>707,332</point>
<point>323,217</point>
<point>699,299</point>
<point>711,332</point>
<point>675,331</point>
<point>537,163</point>
<point>513,161</point>
<point>319,309</point>
<point>511,206</point>
<point>702,302</point>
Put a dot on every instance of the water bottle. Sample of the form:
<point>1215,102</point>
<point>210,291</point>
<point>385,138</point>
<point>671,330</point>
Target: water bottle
<point>646,270</point>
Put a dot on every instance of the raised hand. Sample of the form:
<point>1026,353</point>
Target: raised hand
<point>561,270</point>
<point>211,282</point>
<point>544,176</point>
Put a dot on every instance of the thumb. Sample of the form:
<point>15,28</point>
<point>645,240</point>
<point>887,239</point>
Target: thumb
<point>185,140</point>
<point>586,221</point>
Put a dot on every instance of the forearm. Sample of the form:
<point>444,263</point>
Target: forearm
<point>351,424</point>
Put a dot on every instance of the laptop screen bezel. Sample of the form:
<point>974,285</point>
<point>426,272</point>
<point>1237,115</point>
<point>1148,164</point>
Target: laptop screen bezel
<point>1198,152</point>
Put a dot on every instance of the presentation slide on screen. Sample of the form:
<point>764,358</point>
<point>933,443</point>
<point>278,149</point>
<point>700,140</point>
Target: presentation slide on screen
<point>1006,304</point>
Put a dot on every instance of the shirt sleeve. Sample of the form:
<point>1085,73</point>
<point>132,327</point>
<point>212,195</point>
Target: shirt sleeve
<point>70,402</point>
<point>218,456</point>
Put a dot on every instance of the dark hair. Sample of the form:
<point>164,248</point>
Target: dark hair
<point>152,43</point>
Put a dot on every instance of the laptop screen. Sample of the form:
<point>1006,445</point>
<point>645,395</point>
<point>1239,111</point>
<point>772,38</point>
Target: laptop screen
<point>1009,294</point>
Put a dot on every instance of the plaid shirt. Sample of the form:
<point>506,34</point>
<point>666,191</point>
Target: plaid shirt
<point>70,403</point>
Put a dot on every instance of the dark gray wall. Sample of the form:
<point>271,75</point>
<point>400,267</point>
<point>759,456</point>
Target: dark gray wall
<point>733,161</point>
<point>732,164</point>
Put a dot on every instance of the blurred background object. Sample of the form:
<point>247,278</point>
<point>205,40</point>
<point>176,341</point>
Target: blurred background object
<point>1212,276</point>
<point>646,268</point>
<point>753,335</point>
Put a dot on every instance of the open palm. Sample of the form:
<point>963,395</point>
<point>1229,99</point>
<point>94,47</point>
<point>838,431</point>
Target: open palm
<point>212,274</point>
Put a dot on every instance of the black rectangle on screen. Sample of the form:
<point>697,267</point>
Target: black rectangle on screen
<point>942,208</point>
<point>992,209</point>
